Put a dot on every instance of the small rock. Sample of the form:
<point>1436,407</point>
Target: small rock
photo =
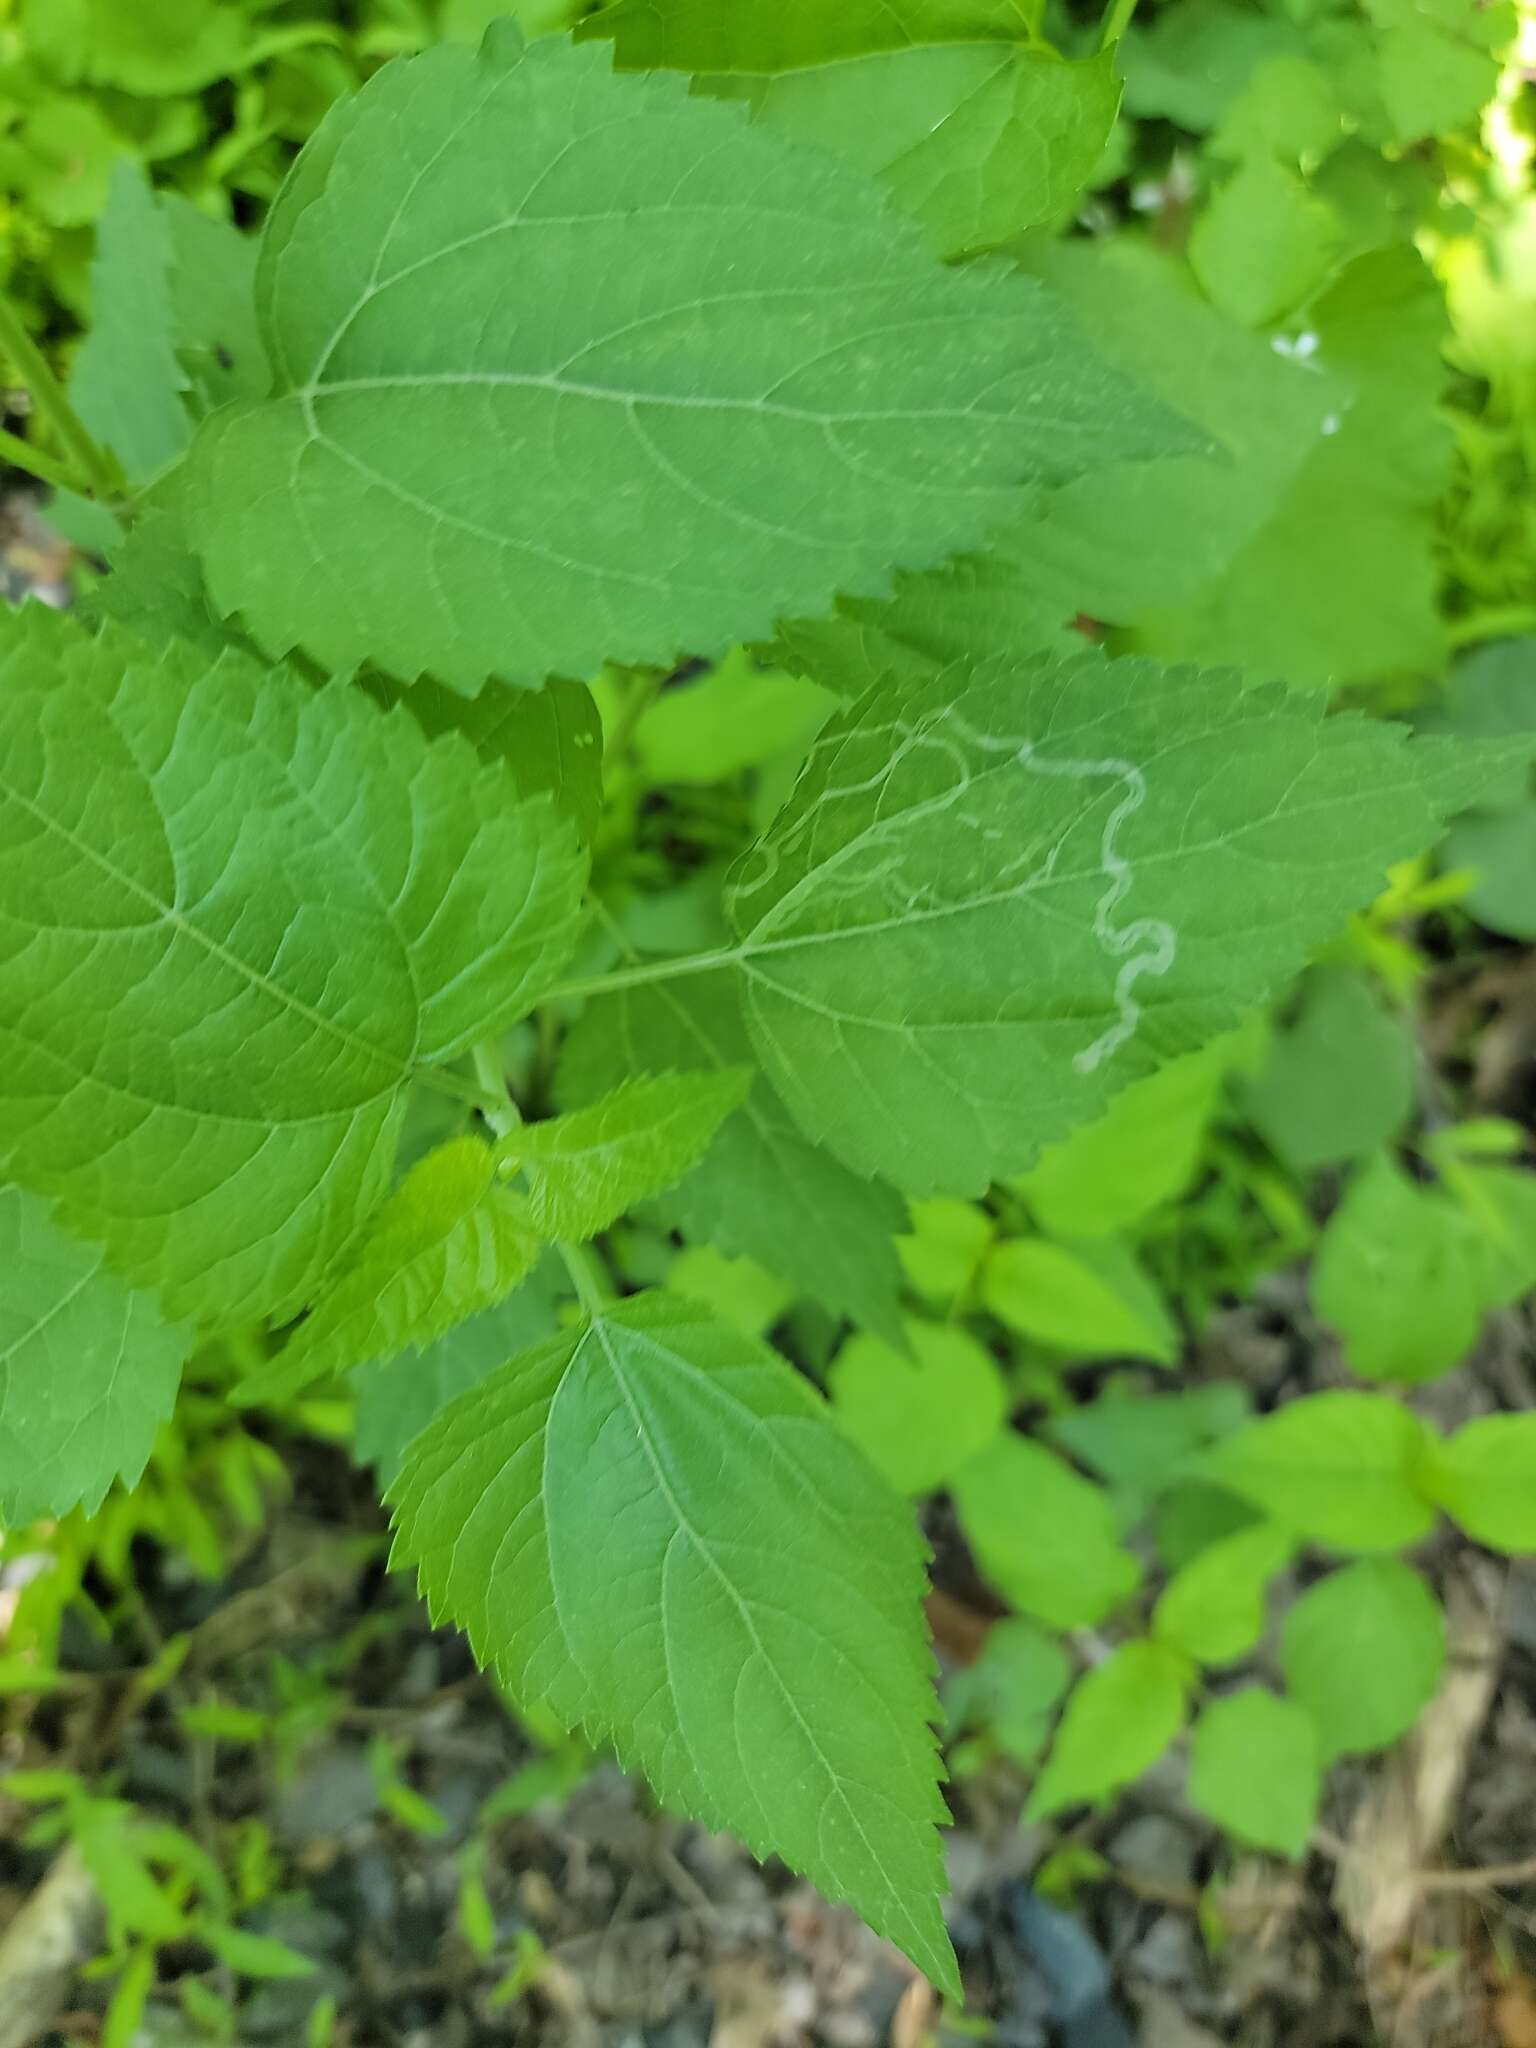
<point>332,1796</point>
<point>1156,1846</point>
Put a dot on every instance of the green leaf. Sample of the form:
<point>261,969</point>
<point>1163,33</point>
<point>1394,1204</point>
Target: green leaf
<point>1499,847</point>
<point>943,1253</point>
<point>213,306</point>
<point>1438,62</point>
<point>1011,1688</point>
<point>738,716</point>
<point>1175,845</point>
<point>585,1169</point>
<point>973,125</point>
<point>550,740</point>
<point>1140,1153</point>
<point>128,386</point>
<point>1192,61</point>
<point>1254,1769</point>
<point>1485,1478</point>
<point>236,916</point>
<point>1338,1468</point>
<point>1047,1538</point>
<point>175,46</point>
<point>1362,1651</point>
<point>650,1525</point>
<point>255,1955</point>
<point>1143,1443</point>
<point>1120,1718</point>
<point>919,1418</point>
<point>1264,243</point>
<point>1339,1080</point>
<point>449,1243</point>
<point>1400,1273</point>
<point>1213,1609</point>
<point>619,458</point>
<point>1092,1300</point>
<point>1340,584</point>
<point>1132,538</point>
<point>762,1191</point>
<point>398,1397</point>
<point>88,1369</point>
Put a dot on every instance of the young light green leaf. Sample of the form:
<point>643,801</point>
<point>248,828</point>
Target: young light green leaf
<point>943,1252</point>
<point>1338,1468</point>
<point>1399,1273</point>
<point>1362,1651</point>
<point>1213,1609</point>
<point>974,126</point>
<point>919,1418</point>
<point>1254,1769</point>
<point>583,1170</point>
<point>449,1243</point>
<point>1485,1477</point>
<point>1264,243</point>
<point>1092,1300</point>
<point>128,386</point>
<point>619,458</point>
<point>1160,845</point>
<point>650,1525</point>
<point>1047,1538</point>
<point>762,1191</point>
<point>177,46</point>
<point>737,716</point>
<point>1339,1080</point>
<point>1140,1153</point>
<point>1119,1719</point>
<point>398,1397</point>
<point>88,1369</point>
<point>236,916</point>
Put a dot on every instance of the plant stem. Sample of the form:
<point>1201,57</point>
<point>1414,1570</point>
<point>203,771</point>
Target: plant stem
<point>638,699</point>
<point>93,467</point>
<point>644,971</point>
<point>1117,19</point>
<point>494,1103</point>
<point>22,455</point>
<point>592,1290</point>
<point>580,1261</point>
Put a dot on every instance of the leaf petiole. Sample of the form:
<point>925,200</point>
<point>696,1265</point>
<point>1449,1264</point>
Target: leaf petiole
<point>642,972</point>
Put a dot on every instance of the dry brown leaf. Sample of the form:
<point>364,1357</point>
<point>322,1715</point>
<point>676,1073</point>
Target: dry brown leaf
<point>1397,1830</point>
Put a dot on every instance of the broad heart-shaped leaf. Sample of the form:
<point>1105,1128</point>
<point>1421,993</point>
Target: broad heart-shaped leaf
<point>570,366</point>
<point>974,126</point>
<point>651,1526</point>
<point>762,1190</point>
<point>449,1242</point>
<point>1363,1650</point>
<point>88,1368</point>
<point>1341,1468</point>
<point>585,1169</point>
<point>999,895</point>
<point>1118,1721</point>
<point>1254,1769</point>
<point>236,916</point>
